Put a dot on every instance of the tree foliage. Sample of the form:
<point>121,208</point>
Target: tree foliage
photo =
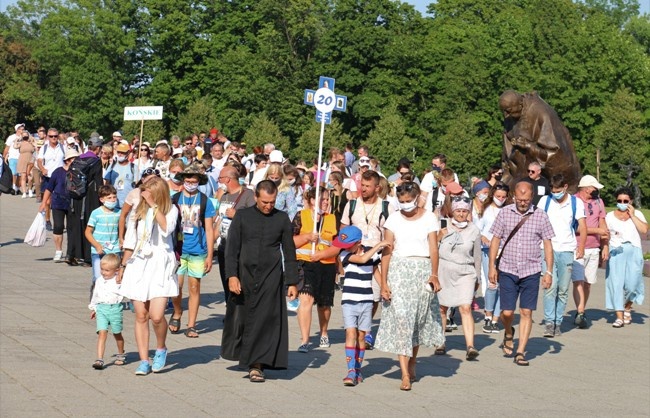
<point>243,65</point>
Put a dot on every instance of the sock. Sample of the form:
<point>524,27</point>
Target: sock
<point>350,357</point>
<point>144,362</point>
<point>361,352</point>
<point>161,350</point>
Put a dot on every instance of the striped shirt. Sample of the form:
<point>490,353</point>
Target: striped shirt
<point>104,226</point>
<point>522,256</point>
<point>357,286</point>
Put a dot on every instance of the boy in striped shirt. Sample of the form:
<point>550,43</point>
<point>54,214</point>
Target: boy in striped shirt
<point>356,299</point>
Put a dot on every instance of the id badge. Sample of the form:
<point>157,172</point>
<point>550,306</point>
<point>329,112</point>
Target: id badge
<point>109,246</point>
<point>365,236</point>
<point>188,229</point>
<point>119,185</point>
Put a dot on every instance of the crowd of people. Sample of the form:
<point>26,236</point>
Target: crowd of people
<point>150,217</point>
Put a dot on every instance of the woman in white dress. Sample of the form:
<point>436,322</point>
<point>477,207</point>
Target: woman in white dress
<point>624,284</point>
<point>148,269</point>
<point>409,278</point>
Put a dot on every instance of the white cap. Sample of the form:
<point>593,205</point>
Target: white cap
<point>588,180</point>
<point>19,126</point>
<point>177,151</point>
<point>276,156</point>
<point>70,153</point>
<point>364,162</point>
<point>71,140</point>
<point>117,133</point>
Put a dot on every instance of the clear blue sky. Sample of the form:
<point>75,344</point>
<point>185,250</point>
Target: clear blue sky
<point>420,5</point>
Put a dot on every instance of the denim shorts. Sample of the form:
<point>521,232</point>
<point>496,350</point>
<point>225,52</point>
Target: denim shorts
<point>109,314</point>
<point>357,315</point>
<point>512,287</point>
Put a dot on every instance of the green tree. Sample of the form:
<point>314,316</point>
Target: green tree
<point>200,116</point>
<point>624,145</point>
<point>264,130</point>
<point>307,147</point>
<point>388,141</point>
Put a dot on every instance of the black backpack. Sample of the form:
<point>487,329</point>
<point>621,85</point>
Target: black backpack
<point>178,233</point>
<point>76,179</point>
<point>6,180</point>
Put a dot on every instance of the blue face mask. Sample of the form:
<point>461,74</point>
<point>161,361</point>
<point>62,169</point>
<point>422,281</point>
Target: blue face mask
<point>112,205</point>
<point>622,206</point>
<point>242,180</point>
<point>434,184</point>
<point>557,196</point>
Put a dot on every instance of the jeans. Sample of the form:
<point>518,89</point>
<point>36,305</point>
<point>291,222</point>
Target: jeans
<point>556,296</point>
<point>491,295</point>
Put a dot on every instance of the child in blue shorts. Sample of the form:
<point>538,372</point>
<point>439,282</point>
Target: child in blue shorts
<point>101,231</point>
<point>107,309</point>
<point>356,298</point>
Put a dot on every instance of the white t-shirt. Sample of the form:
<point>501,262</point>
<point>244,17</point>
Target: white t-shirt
<point>14,153</point>
<point>484,223</point>
<point>623,231</point>
<point>426,185</point>
<point>561,217</point>
<point>412,237</point>
<point>218,164</point>
<point>52,157</point>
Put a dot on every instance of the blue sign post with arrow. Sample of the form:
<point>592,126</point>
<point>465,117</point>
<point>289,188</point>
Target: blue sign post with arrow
<point>325,102</point>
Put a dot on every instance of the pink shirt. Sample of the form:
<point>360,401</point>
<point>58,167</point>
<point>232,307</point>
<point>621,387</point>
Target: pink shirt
<point>594,212</point>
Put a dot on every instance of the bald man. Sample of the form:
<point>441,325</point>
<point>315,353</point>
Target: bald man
<point>518,230</point>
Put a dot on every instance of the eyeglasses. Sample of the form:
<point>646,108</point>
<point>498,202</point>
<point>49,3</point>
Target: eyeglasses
<point>222,177</point>
<point>52,136</point>
<point>622,201</point>
<point>502,187</point>
<point>460,199</point>
<point>149,171</point>
<point>522,200</point>
<point>531,171</point>
<point>405,187</point>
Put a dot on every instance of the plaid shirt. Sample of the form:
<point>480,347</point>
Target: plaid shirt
<point>522,256</point>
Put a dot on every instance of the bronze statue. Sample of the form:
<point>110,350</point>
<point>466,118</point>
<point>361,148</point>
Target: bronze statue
<point>534,132</point>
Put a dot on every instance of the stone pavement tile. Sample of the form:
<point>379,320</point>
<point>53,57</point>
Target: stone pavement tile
<point>47,344</point>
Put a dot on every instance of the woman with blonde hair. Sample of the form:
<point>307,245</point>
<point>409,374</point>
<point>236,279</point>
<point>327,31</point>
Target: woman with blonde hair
<point>285,201</point>
<point>147,271</point>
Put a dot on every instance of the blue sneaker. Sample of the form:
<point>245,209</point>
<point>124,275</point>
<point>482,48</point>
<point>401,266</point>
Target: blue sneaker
<point>370,341</point>
<point>143,369</point>
<point>159,360</point>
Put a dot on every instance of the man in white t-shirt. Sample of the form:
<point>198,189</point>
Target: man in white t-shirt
<point>11,153</point>
<point>218,157</point>
<point>563,210</point>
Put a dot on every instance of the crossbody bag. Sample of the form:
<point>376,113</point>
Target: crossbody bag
<point>512,234</point>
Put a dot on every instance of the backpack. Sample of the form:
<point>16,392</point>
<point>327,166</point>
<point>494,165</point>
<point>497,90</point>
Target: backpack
<point>76,179</point>
<point>384,210</point>
<point>60,146</point>
<point>434,199</point>
<point>6,180</point>
<point>574,224</point>
<point>177,236</point>
<point>132,171</point>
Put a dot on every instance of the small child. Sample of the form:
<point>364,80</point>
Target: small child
<point>107,309</point>
<point>356,298</point>
<point>102,229</point>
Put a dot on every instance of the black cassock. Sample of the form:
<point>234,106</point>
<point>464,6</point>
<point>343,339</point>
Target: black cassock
<point>256,328</point>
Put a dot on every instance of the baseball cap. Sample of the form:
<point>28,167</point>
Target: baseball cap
<point>453,188</point>
<point>70,140</point>
<point>20,125</point>
<point>347,237</point>
<point>95,142</point>
<point>589,180</point>
<point>117,133</point>
<point>214,131</point>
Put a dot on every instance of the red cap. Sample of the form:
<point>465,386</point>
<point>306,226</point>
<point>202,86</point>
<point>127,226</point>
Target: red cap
<point>214,131</point>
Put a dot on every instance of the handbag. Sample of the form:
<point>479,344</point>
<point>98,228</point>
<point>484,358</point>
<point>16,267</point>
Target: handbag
<point>512,234</point>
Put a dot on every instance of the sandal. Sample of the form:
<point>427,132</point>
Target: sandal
<point>627,317</point>
<point>174,322</point>
<point>98,364</point>
<point>120,359</point>
<point>406,383</point>
<point>508,349</point>
<point>618,323</point>
<point>190,332</point>
<point>256,375</point>
<point>472,353</point>
<point>412,376</point>
<point>351,378</point>
<point>520,360</point>
<point>440,351</point>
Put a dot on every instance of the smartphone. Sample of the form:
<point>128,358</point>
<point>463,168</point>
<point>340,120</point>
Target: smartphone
<point>443,223</point>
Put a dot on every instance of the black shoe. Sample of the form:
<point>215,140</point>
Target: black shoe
<point>581,321</point>
<point>487,328</point>
<point>72,261</point>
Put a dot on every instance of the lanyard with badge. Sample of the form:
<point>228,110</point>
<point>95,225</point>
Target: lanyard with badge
<point>368,217</point>
<point>186,215</point>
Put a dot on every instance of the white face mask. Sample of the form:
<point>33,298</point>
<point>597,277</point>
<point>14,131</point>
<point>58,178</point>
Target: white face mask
<point>121,159</point>
<point>460,225</point>
<point>223,187</point>
<point>482,197</point>
<point>407,206</point>
<point>498,202</point>
<point>292,182</point>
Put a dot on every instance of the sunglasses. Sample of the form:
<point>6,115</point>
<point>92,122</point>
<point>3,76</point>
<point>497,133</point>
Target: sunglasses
<point>149,171</point>
<point>460,199</point>
<point>52,136</point>
<point>622,201</point>
<point>531,171</point>
<point>405,187</point>
<point>502,187</point>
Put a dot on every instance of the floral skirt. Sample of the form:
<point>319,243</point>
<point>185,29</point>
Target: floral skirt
<point>412,317</point>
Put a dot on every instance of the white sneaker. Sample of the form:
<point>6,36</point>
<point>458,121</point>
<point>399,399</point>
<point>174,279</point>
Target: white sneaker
<point>31,194</point>
<point>57,256</point>
<point>24,195</point>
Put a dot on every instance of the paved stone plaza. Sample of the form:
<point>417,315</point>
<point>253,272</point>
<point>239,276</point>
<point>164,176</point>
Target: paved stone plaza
<point>47,346</point>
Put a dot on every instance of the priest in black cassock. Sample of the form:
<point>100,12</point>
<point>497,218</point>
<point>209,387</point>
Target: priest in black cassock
<point>256,328</point>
